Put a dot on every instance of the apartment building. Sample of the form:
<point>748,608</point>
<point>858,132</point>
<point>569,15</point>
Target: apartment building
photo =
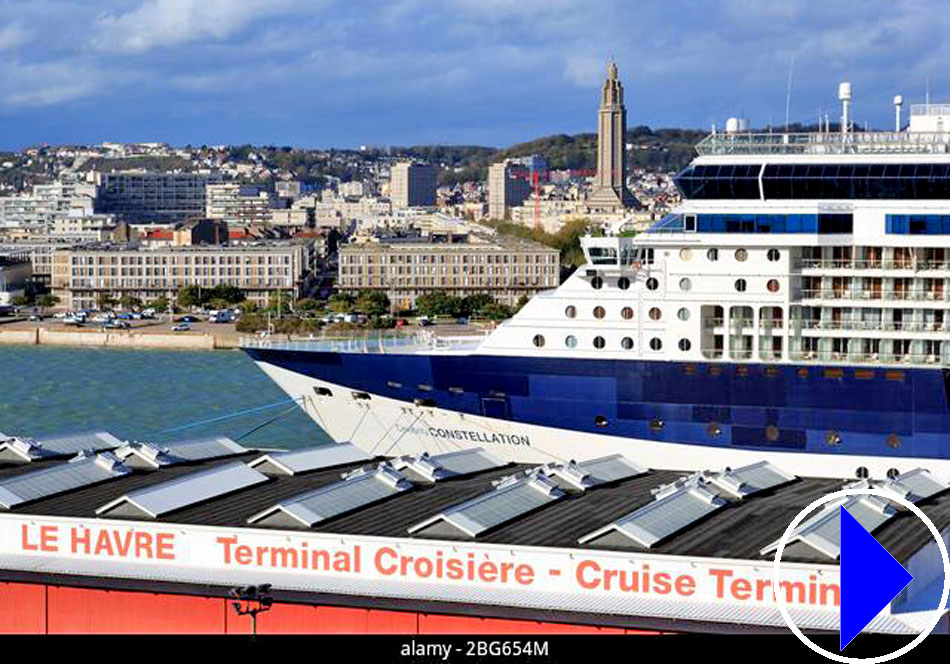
<point>238,204</point>
<point>139,196</point>
<point>412,185</point>
<point>82,275</point>
<point>459,264</point>
<point>506,189</point>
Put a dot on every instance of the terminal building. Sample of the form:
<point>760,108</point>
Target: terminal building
<point>100,535</point>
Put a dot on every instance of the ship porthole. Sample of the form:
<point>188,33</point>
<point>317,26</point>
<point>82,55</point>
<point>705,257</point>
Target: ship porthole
<point>623,283</point>
<point>713,429</point>
<point>323,391</point>
<point>597,283</point>
<point>538,340</point>
<point>833,438</point>
<point>570,341</point>
<point>599,342</point>
<point>652,283</point>
<point>771,433</point>
<point>893,441</point>
<point>570,311</point>
<point>599,312</point>
<point>656,424</point>
<point>600,421</point>
<point>892,473</point>
<point>626,313</point>
<point>627,343</point>
<point>861,473</point>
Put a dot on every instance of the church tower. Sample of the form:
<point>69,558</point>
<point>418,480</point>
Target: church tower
<point>610,192</point>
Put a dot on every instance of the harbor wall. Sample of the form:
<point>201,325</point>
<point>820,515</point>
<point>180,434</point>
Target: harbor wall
<point>113,339</point>
<point>27,608</point>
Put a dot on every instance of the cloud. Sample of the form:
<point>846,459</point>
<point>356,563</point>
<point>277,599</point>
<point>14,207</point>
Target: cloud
<point>47,84</point>
<point>14,35</point>
<point>168,23</point>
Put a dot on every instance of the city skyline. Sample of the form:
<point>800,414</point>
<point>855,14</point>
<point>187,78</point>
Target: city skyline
<point>330,74</point>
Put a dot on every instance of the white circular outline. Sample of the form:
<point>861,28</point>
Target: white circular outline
<point>780,601</point>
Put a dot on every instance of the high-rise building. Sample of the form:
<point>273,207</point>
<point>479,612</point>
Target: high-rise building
<point>139,196</point>
<point>412,185</point>
<point>505,190</point>
<point>610,192</point>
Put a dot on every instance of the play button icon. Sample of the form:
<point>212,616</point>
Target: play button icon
<point>870,578</point>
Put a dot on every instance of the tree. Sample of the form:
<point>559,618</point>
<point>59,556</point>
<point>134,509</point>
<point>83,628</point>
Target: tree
<point>105,301</point>
<point>47,301</point>
<point>496,311</point>
<point>128,301</point>
<point>437,303</point>
<point>160,303</point>
<point>189,296</point>
<point>228,293</point>
<point>341,303</point>
<point>372,303</point>
<point>19,300</point>
<point>473,305</point>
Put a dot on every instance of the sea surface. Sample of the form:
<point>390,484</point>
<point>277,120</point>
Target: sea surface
<point>143,394</point>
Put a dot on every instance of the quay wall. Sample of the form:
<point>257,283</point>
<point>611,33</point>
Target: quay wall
<point>113,339</point>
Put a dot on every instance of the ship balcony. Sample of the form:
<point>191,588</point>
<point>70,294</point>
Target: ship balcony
<point>824,265</point>
<point>865,358</point>
<point>808,325</point>
<point>913,295</point>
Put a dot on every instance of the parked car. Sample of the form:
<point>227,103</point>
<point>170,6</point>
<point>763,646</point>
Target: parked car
<point>181,327</point>
<point>116,325</point>
<point>189,319</point>
<point>35,318</point>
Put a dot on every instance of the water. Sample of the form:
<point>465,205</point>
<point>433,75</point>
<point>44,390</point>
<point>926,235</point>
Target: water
<point>137,393</point>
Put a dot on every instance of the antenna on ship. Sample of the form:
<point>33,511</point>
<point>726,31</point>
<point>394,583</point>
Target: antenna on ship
<point>788,93</point>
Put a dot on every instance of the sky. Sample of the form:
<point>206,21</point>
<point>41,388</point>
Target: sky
<point>345,73</point>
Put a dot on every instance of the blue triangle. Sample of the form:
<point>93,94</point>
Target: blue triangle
<point>870,578</point>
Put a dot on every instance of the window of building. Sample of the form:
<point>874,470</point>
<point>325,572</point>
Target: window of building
<point>626,313</point>
<point>712,255</point>
<point>570,341</point>
<point>685,284</point>
<point>655,313</point>
<point>539,340</point>
<point>773,285</point>
<point>656,344</point>
<point>742,255</point>
<point>652,283</point>
<point>597,283</point>
<point>623,283</point>
<point>599,342</point>
<point>773,255</point>
<point>626,343</point>
<point>599,312</point>
<point>740,285</point>
<point>685,345</point>
<point>683,314</point>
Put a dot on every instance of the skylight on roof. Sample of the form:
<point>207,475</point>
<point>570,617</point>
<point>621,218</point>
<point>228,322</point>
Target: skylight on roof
<point>84,470</point>
<point>749,480</point>
<point>357,489</point>
<point>73,443</point>
<point>586,474</point>
<point>149,455</point>
<point>512,498</point>
<point>677,506</point>
<point>309,459</point>
<point>155,501</point>
<point>450,464</point>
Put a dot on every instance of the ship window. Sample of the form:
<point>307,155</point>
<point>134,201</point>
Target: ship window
<point>656,424</point>
<point>712,255</point>
<point>394,384</point>
<point>600,421</point>
<point>833,373</point>
<point>742,255</point>
<point>771,372</point>
<point>861,473</point>
<point>323,391</point>
<point>742,372</point>
<point>599,342</point>
<point>627,343</point>
<point>685,284</point>
<point>894,375</point>
<point>427,403</point>
<point>456,390</point>
<point>740,285</point>
<point>686,254</point>
<point>423,387</point>
<point>570,311</point>
<point>715,371</point>
<point>652,283</point>
<point>689,223</point>
<point>623,283</point>
<point>802,373</point>
<point>833,438</point>
<point>713,429</point>
<point>683,314</point>
<point>599,312</point>
<point>538,340</point>
<point>360,395</point>
<point>626,313</point>
<point>864,374</point>
<point>655,313</point>
<point>656,343</point>
<point>689,369</point>
<point>685,345</point>
<point>771,433</point>
<point>773,255</point>
<point>570,341</point>
<point>597,283</point>
<point>772,285</point>
<point>894,441</point>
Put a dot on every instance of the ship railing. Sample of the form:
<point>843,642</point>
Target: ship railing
<point>874,325</point>
<point>868,358</point>
<point>797,143</point>
<point>363,344</point>
<point>820,264</point>
<point>875,294</point>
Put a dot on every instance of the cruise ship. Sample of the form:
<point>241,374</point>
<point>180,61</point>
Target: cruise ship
<point>793,308</point>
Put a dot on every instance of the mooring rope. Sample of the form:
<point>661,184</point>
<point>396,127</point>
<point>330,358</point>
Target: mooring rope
<point>219,418</point>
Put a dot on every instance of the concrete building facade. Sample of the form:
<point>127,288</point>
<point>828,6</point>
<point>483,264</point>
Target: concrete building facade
<point>505,190</point>
<point>412,185</point>
<point>610,193</point>
<point>405,268</point>
<point>139,196</point>
<point>81,275</point>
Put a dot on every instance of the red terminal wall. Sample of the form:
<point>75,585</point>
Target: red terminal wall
<point>49,609</point>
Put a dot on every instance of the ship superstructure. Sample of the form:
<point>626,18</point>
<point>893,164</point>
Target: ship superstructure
<point>795,305</point>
